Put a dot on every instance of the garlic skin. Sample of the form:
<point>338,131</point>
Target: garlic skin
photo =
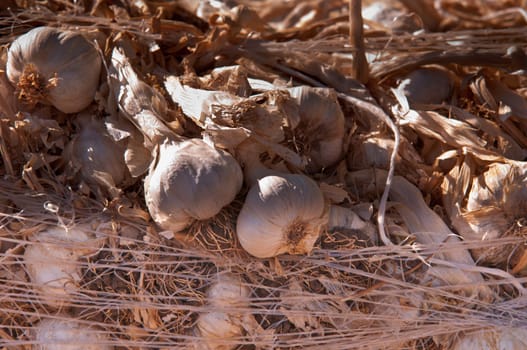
<point>191,181</point>
<point>54,66</point>
<point>68,334</point>
<point>281,214</point>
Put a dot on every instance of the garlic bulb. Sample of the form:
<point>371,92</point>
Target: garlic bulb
<point>221,328</point>
<point>52,262</point>
<point>281,214</point>
<point>191,181</point>
<point>496,201</point>
<point>68,334</point>
<point>494,339</point>
<point>428,85</point>
<point>56,67</point>
<point>99,158</point>
<point>321,126</point>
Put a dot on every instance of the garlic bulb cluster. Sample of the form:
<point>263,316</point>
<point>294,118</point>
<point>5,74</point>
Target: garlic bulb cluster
<point>56,67</point>
<point>68,334</point>
<point>494,339</point>
<point>221,328</point>
<point>190,181</point>
<point>52,262</point>
<point>281,214</point>
<point>99,159</point>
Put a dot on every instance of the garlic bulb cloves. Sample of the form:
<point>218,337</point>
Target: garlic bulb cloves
<point>281,214</point>
<point>54,66</point>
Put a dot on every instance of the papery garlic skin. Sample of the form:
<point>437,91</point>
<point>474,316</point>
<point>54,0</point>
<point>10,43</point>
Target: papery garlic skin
<point>191,181</point>
<point>281,214</point>
<point>67,65</point>
<point>68,334</point>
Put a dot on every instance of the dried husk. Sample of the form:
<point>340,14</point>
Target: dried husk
<point>488,207</point>
<point>428,229</point>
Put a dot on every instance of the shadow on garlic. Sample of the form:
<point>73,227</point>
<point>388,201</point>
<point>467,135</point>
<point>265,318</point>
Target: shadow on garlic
<point>99,160</point>
<point>54,66</point>
<point>65,333</point>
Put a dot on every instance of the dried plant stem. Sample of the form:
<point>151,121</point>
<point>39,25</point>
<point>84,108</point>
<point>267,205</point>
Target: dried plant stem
<point>379,113</point>
<point>360,64</point>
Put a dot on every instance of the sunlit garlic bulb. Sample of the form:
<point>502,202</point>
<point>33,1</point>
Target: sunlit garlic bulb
<point>54,66</point>
<point>281,214</point>
<point>191,181</point>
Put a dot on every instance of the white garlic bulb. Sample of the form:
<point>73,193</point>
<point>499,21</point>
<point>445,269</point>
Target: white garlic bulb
<point>68,334</point>
<point>52,262</point>
<point>281,214</point>
<point>56,67</point>
<point>222,327</point>
<point>191,181</point>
